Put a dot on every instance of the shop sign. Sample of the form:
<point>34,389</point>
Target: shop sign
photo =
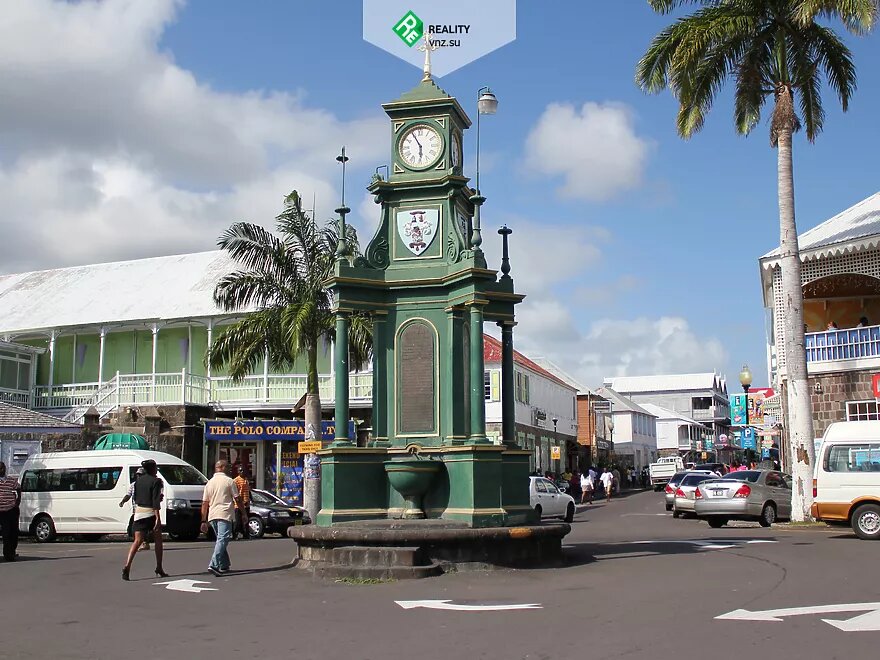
<point>875,385</point>
<point>309,447</point>
<point>255,430</point>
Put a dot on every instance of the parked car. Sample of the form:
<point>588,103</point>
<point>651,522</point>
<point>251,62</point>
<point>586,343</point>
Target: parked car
<point>271,514</point>
<point>548,501</point>
<point>673,484</point>
<point>846,484</point>
<point>661,472</point>
<point>762,495</point>
<point>720,468</point>
<point>683,502</point>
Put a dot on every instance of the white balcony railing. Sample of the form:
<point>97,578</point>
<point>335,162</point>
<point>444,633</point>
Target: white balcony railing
<point>15,397</point>
<point>185,388</point>
<point>836,345</point>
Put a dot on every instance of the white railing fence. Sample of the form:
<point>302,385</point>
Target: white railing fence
<point>850,344</point>
<point>185,388</point>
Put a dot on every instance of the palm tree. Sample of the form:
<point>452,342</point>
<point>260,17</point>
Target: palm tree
<point>287,311</point>
<point>771,49</point>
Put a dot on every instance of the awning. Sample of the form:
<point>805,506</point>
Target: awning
<point>121,441</point>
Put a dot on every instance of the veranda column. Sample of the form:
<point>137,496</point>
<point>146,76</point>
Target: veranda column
<point>52,337</point>
<point>210,340</point>
<point>103,337</point>
<point>153,363</point>
<point>341,378</point>
<point>478,396</point>
<point>508,407</point>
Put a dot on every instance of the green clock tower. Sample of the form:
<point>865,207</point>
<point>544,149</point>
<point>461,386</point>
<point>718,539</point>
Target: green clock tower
<point>424,280</point>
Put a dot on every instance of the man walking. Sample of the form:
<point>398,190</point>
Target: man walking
<point>607,480</point>
<point>243,512</point>
<point>218,511</point>
<point>10,498</point>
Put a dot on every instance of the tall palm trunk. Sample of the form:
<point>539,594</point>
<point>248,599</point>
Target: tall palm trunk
<point>797,391</point>
<point>313,431</point>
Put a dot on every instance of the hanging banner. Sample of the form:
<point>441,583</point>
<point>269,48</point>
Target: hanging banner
<point>258,430</point>
<point>748,439</point>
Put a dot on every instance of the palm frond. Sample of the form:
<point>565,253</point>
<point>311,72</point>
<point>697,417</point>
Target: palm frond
<point>858,16</point>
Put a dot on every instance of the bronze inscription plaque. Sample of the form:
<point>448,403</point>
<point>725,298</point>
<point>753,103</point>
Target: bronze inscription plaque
<point>416,369</point>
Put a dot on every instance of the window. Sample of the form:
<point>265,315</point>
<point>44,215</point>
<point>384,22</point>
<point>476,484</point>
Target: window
<point>182,475</point>
<point>522,387</point>
<point>487,386</point>
<point>853,458</point>
<point>540,486</point>
<point>70,479</point>
<point>857,411</point>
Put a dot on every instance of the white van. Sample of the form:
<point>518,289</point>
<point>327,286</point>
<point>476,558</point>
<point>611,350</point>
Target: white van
<point>78,492</point>
<point>846,483</point>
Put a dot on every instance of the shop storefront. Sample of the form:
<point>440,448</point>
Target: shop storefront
<point>267,449</point>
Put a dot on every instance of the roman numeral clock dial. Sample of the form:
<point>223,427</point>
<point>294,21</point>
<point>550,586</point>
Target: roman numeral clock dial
<point>420,147</point>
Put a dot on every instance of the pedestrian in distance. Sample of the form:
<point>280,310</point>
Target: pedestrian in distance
<point>10,499</point>
<point>607,480</point>
<point>130,496</point>
<point>148,504</point>
<point>218,510</point>
<point>243,512</point>
<point>615,475</point>
<point>588,484</point>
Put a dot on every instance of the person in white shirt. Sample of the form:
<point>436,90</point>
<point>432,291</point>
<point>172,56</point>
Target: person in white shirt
<point>218,510</point>
<point>607,480</point>
<point>588,484</point>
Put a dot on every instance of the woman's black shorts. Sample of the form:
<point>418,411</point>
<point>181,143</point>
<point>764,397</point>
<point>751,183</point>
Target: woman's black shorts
<point>144,524</point>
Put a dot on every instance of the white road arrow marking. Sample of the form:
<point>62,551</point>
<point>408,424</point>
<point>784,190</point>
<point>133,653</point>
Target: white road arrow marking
<point>185,585</point>
<point>864,622</point>
<point>449,605</point>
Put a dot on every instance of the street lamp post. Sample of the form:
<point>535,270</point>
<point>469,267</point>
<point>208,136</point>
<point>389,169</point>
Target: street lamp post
<point>487,104</point>
<point>745,379</point>
<point>556,440</point>
<point>610,424</point>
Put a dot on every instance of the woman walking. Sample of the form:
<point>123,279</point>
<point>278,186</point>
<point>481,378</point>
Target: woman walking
<point>148,502</point>
<point>587,486</point>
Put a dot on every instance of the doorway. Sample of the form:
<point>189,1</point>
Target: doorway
<point>248,454</point>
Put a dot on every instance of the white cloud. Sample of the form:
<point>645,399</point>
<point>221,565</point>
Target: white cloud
<point>595,149</point>
<point>111,150</point>
<point>617,347</point>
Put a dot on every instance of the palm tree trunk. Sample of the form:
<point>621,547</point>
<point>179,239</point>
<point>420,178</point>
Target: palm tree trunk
<point>800,414</point>
<point>314,431</point>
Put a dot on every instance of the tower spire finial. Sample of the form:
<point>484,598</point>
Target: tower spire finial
<point>427,47</point>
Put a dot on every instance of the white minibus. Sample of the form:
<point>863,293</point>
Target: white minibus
<point>78,492</point>
<point>846,478</point>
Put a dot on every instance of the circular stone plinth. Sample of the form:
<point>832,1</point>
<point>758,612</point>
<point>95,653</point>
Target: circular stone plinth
<point>384,547</point>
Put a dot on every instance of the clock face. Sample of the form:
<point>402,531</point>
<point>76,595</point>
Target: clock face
<point>420,146</point>
<point>456,150</point>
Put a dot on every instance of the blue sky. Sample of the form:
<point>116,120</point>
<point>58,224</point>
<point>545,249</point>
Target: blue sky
<point>638,254</point>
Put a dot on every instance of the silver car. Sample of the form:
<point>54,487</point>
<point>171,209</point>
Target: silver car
<point>683,502</point>
<point>673,482</point>
<point>762,495</point>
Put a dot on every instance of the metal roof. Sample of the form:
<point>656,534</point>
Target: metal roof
<point>620,403</point>
<point>22,418</point>
<point>856,228</point>
<point>667,383</point>
<point>662,414</point>
<point>159,288</point>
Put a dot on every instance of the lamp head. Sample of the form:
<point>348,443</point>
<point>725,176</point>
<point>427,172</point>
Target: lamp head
<point>487,104</point>
<point>745,376</point>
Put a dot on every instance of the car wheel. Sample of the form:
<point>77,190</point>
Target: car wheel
<point>538,511</point>
<point>569,512</point>
<point>675,513</point>
<point>669,507</point>
<point>866,522</point>
<point>768,515</point>
<point>256,528</point>
<point>184,536</point>
<point>715,522</point>
<point>44,529</point>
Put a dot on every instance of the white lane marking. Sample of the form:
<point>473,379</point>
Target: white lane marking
<point>705,544</point>
<point>449,605</point>
<point>862,623</point>
<point>185,585</point>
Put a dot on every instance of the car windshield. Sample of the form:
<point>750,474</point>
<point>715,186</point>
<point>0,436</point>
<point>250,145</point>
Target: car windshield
<point>677,477</point>
<point>182,475</point>
<point>751,476</point>
<point>694,479</point>
<point>262,498</point>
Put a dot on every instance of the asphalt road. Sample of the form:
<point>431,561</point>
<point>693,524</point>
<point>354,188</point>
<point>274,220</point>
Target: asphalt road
<point>638,584</point>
